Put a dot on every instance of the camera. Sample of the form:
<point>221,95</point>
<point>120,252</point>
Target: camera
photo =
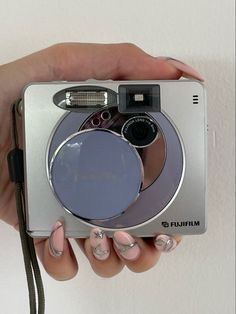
<point>118,155</point>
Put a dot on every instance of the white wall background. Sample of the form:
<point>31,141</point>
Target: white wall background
<point>199,276</point>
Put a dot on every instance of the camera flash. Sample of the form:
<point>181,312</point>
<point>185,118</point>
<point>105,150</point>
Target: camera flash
<point>86,99</point>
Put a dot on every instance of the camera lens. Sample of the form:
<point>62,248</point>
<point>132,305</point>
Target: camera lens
<point>140,131</point>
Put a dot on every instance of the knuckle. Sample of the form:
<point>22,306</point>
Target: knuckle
<point>59,47</point>
<point>60,55</point>
<point>129,47</point>
<point>126,54</point>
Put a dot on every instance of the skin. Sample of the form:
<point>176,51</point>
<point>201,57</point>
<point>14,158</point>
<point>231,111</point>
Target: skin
<point>71,62</point>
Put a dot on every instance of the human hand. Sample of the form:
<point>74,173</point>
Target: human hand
<point>76,62</point>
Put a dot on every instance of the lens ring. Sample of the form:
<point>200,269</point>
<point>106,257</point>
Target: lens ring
<point>105,115</point>
<point>140,131</point>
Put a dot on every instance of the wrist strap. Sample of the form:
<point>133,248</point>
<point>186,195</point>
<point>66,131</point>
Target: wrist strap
<point>16,172</point>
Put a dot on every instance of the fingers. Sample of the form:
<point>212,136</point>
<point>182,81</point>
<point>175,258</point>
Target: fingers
<point>108,256</point>
<point>57,255</point>
<point>101,254</point>
<point>138,254</point>
<point>78,61</point>
<point>187,71</point>
<point>141,254</point>
<point>165,243</point>
<point>108,61</point>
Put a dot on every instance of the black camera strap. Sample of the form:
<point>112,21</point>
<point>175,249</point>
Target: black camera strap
<point>16,172</point>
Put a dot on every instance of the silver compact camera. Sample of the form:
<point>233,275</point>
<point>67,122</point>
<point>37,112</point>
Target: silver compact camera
<point>118,155</point>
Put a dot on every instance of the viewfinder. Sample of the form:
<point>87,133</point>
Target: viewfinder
<point>139,98</point>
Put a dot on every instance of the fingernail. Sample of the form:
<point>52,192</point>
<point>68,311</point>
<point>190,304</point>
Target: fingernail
<point>56,240</point>
<point>99,244</point>
<point>187,70</point>
<point>165,243</point>
<point>126,245</point>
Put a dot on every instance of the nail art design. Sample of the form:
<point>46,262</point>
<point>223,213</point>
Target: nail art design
<point>56,240</point>
<point>165,243</point>
<point>187,70</point>
<point>126,245</point>
<point>99,252</point>
<point>99,244</point>
<point>99,234</point>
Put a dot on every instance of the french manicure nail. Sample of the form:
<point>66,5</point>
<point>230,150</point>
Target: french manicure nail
<point>126,245</point>
<point>99,244</point>
<point>187,70</point>
<point>165,243</point>
<point>56,240</point>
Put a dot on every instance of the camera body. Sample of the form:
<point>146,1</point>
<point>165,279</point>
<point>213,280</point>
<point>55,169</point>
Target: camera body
<point>118,155</point>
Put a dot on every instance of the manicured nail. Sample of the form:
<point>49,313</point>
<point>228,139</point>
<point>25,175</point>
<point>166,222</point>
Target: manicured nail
<point>187,70</point>
<point>126,245</point>
<point>99,244</point>
<point>56,240</point>
<point>165,243</point>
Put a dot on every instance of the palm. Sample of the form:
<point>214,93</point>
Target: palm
<point>7,196</point>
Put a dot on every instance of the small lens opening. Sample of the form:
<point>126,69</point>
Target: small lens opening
<point>96,122</point>
<point>105,115</point>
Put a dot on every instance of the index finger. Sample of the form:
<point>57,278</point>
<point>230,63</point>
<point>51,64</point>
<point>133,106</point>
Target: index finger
<point>78,61</point>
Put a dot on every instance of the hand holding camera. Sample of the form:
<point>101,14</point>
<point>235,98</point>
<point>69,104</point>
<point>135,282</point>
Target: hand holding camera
<point>79,62</point>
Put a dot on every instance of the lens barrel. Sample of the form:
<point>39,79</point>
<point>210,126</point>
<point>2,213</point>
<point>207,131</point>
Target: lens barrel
<point>140,131</point>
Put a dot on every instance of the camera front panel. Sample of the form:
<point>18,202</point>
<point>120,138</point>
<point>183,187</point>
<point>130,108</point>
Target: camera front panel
<point>111,165</point>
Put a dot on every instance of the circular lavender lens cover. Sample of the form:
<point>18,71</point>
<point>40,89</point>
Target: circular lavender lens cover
<point>96,174</point>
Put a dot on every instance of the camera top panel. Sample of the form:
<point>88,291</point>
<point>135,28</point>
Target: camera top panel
<point>129,98</point>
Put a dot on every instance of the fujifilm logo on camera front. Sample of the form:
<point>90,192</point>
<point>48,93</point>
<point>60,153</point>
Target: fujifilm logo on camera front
<point>177,224</point>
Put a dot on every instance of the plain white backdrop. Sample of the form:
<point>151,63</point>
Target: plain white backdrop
<point>199,276</point>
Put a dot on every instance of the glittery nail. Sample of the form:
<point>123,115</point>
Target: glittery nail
<point>99,244</point>
<point>56,240</point>
<point>165,243</point>
<point>126,245</point>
